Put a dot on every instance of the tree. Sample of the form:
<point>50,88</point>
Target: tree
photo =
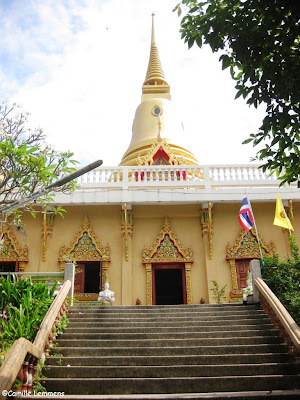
<point>259,40</point>
<point>27,162</point>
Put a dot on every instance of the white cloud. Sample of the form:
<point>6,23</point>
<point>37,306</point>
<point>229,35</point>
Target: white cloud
<point>91,59</point>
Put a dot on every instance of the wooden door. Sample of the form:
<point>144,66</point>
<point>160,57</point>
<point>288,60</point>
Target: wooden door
<point>79,278</point>
<point>242,269</point>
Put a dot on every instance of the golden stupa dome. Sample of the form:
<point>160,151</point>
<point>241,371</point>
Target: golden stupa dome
<point>156,126</point>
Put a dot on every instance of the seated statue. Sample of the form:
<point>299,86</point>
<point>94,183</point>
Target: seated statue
<point>106,296</point>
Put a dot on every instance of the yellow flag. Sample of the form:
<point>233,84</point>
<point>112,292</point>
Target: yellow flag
<point>281,219</point>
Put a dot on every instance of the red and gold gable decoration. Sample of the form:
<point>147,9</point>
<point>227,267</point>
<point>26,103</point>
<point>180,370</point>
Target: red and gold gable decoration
<point>160,153</point>
<point>167,248</point>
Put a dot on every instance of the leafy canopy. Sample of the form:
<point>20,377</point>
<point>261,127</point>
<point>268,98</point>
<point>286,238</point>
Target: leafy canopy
<point>259,40</point>
<point>27,163</point>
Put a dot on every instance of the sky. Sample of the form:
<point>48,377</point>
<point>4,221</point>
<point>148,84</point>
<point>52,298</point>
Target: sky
<point>77,66</point>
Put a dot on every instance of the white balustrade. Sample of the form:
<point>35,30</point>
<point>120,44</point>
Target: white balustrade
<point>178,176</point>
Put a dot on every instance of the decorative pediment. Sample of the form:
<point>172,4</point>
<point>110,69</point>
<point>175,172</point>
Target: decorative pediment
<point>246,246</point>
<point>85,246</point>
<point>160,153</point>
<point>167,248</point>
<point>10,248</point>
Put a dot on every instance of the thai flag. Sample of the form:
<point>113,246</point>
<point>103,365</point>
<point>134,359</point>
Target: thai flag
<point>245,215</point>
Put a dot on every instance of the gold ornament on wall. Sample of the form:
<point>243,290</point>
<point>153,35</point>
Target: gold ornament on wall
<point>126,226</point>
<point>206,219</point>
<point>10,249</point>
<point>84,247</point>
<point>47,230</point>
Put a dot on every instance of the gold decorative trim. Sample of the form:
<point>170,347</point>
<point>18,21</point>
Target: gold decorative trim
<point>85,246</point>
<point>149,284</point>
<point>11,250</point>
<point>246,246</point>
<point>159,142</point>
<point>47,229</point>
<point>188,280</point>
<point>167,248</point>
<point>126,227</point>
<point>206,219</point>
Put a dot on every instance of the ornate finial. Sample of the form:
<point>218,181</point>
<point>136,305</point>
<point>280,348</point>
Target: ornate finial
<point>155,81</point>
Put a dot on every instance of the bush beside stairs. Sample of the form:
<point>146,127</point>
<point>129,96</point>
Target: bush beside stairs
<point>173,352</point>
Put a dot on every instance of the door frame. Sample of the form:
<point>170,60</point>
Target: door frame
<point>162,266</point>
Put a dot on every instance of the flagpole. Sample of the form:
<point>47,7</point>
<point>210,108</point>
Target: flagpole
<point>257,235</point>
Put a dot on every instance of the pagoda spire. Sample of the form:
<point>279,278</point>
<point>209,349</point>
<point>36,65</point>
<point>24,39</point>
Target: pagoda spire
<point>155,81</point>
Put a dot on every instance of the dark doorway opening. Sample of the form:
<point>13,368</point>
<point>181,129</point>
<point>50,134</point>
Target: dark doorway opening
<point>92,278</point>
<point>169,286</point>
<point>7,267</point>
<point>87,277</point>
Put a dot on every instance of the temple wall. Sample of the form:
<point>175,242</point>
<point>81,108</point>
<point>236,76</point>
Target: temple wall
<point>128,278</point>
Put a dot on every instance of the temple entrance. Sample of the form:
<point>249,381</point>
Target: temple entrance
<point>8,266</point>
<point>87,278</point>
<point>169,285</point>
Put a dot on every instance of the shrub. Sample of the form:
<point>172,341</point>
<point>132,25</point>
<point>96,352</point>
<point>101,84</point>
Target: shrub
<point>23,305</point>
<point>283,278</point>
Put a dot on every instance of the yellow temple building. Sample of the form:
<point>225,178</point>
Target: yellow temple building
<point>160,225</point>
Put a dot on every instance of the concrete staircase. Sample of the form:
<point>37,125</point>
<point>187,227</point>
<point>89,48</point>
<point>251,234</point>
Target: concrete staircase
<point>171,352</point>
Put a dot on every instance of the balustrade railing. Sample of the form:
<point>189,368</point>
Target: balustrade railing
<point>197,176</point>
<point>22,359</point>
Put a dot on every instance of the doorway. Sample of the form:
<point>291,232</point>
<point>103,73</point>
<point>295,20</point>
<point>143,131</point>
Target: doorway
<point>242,270</point>
<point>8,266</point>
<point>87,277</point>
<point>169,285</point>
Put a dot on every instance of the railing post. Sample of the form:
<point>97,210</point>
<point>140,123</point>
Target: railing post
<point>255,271</point>
<point>69,276</point>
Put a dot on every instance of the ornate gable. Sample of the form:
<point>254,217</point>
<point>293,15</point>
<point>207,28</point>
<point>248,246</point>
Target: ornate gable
<point>10,249</point>
<point>246,246</point>
<point>85,246</point>
<point>167,248</point>
<point>160,153</point>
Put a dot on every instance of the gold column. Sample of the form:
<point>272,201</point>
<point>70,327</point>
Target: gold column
<point>104,268</point>
<point>126,260</point>
<point>206,219</point>
<point>149,284</point>
<point>48,222</point>
<point>188,281</point>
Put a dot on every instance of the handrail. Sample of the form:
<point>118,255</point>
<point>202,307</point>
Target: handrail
<point>290,326</point>
<point>21,360</point>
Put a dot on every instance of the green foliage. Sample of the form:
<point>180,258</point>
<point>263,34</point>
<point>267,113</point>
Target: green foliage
<point>218,294</point>
<point>23,305</point>
<point>283,278</point>
<point>259,41</point>
<point>27,163</point>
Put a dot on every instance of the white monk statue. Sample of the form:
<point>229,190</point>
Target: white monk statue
<point>106,296</point>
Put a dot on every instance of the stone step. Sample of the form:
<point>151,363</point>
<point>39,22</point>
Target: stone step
<point>171,371</point>
<point>172,360</point>
<point>87,334</point>
<point>170,385</point>
<point>163,351</point>
<point>105,323</point>
<point>165,317</point>
<point>244,395</point>
<point>147,314</point>
<point>221,341</point>
<point>166,308</point>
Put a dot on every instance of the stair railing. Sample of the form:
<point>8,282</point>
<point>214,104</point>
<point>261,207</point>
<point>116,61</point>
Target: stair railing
<point>22,359</point>
<point>279,316</point>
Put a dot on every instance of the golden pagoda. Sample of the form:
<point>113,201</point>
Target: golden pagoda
<point>156,130</point>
